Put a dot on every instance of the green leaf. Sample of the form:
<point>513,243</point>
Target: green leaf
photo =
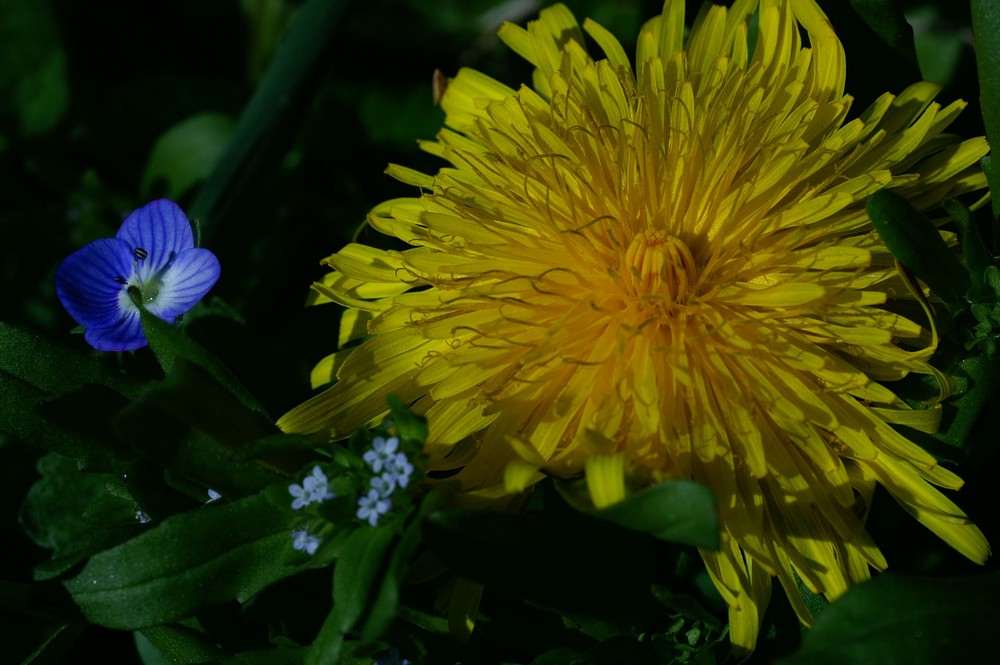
<point>55,369</point>
<point>191,398</point>
<point>680,511</point>
<point>53,651</point>
<point>54,506</point>
<point>169,343</point>
<point>358,570</point>
<point>186,153</point>
<point>410,426</point>
<point>977,257</point>
<point>386,603</point>
<point>962,413</point>
<point>85,414</point>
<point>188,453</point>
<point>916,243</point>
<point>182,644</point>
<point>903,620</point>
<point>17,417</point>
<point>986,35</point>
<point>218,553</point>
<point>886,19</point>
<point>195,397</point>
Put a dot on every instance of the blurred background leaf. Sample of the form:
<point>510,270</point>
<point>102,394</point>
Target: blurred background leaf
<point>33,79</point>
<point>185,155</point>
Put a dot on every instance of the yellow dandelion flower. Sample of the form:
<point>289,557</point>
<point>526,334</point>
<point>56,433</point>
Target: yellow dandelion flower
<point>664,272</point>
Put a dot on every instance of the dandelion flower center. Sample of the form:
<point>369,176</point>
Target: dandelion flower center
<point>659,271</point>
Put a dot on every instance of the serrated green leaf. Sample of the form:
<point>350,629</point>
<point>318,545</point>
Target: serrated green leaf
<point>679,511</point>
<point>218,553</point>
<point>898,619</point>
<point>916,243</point>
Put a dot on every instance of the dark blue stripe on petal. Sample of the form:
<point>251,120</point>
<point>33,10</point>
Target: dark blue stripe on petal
<point>86,281</point>
<point>126,335</point>
<point>187,281</point>
<point>161,229</point>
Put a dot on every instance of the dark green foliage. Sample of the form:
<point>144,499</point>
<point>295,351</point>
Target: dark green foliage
<point>271,122</point>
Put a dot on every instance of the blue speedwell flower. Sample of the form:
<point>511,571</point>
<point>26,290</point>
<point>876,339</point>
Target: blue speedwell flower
<point>314,489</point>
<point>153,255</point>
<point>304,541</point>
<point>372,506</point>
<point>382,451</point>
<point>398,469</point>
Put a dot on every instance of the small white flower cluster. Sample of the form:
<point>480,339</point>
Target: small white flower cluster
<point>314,489</point>
<point>394,471</point>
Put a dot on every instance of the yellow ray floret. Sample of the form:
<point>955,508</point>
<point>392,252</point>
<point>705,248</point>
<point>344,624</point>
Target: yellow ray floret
<point>664,270</point>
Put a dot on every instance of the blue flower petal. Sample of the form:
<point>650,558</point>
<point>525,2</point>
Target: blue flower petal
<point>88,282</point>
<point>125,335</point>
<point>193,273</point>
<point>156,233</point>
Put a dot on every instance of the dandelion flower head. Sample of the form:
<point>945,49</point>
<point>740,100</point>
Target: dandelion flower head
<point>665,271</point>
